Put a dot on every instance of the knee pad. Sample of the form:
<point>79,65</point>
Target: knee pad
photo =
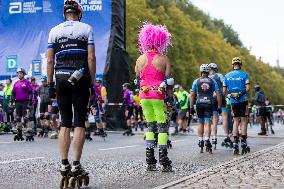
<point>41,117</point>
<point>18,119</point>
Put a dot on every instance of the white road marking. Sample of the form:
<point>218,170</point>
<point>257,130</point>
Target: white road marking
<point>19,160</point>
<point>115,148</point>
<point>178,141</point>
<point>5,142</point>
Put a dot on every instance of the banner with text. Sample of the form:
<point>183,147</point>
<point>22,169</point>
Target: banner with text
<point>25,25</point>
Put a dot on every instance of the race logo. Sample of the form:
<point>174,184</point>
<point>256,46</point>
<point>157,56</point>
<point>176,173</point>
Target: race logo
<point>205,86</point>
<point>15,8</point>
<point>91,5</point>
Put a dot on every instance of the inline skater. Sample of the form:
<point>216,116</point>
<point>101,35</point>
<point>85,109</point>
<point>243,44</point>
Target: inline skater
<point>138,112</point>
<point>8,109</point>
<point>219,80</point>
<point>71,55</point>
<point>259,101</point>
<point>100,107</point>
<point>203,88</point>
<point>129,106</point>
<point>44,107</point>
<point>35,93</point>
<point>236,87</point>
<point>153,74</point>
<point>21,94</point>
<point>54,117</point>
<point>183,101</point>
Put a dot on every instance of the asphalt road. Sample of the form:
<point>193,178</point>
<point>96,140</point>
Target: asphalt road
<point>117,162</point>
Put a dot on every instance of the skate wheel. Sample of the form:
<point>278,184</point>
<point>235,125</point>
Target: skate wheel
<point>79,182</point>
<point>72,183</point>
<point>33,139</point>
<point>86,180</point>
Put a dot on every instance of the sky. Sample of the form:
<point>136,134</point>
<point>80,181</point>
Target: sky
<point>259,24</point>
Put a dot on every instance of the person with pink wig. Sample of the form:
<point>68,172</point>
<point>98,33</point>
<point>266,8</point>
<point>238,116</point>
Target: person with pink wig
<point>153,74</point>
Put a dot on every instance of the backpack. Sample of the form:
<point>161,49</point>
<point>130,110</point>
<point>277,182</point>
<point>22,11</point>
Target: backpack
<point>261,98</point>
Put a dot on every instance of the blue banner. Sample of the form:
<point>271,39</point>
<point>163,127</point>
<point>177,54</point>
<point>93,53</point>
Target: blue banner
<point>25,25</point>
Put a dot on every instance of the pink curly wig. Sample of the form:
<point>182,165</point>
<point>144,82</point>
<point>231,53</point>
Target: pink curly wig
<point>154,37</point>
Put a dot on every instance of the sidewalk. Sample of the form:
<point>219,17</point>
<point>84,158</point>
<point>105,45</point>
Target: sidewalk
<point>261,170</point>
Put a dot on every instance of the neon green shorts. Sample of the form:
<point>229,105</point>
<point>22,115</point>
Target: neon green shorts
<point>154,110</point>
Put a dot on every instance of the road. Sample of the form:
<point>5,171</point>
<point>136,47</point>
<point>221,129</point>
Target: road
<point>117,162</point>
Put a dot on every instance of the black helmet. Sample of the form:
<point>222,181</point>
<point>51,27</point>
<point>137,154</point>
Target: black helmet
<point>71,6</point>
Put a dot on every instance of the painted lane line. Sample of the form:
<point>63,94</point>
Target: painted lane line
<point>174,141</point>
<point>115,148</point>
<point>19,160</point>
<point>5,142</point>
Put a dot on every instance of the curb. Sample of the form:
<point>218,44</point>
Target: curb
<point>217,168</point>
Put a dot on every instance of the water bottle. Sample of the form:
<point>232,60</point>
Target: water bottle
<point>76,76</point>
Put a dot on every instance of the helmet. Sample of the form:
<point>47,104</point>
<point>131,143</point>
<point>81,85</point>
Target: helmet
<point>237,60</point>
<point>176,86</point>
<point>43,78</point>
<point>21,70</point>
<point>213,66</point>
<point>204,68</point>
<point>99,79</point>
<point>126,85</point>
<point>71,6</point>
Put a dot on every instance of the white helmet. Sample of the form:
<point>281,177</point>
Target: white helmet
<point>213,66</point>
<point>204,68</point>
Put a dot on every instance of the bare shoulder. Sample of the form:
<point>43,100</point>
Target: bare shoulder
<point>140,63</point>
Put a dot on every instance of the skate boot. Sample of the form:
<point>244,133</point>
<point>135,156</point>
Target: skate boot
<point>201,145</point>
<point>150,159</point>
<point>235,148</point>
<point>208,146</point>
<point>164,160</point>
<point>78,176</point>
<point>169,144</point>
<point>102,133</point>
<point>30,134</point>
<point>214,142</point>
<point>126,133</point>
<point>19,135</point>
<point>263,132</point>
<point>227,143</point>
<point>65,175</point>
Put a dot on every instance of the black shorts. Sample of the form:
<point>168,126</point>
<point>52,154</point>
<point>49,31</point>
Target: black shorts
<point>204,111</point>
<point>21,109</point>
<point>54,109</point>
<point>43,107</point>
<point>240,109</point>
<point>130,112</point>
<point>138,111</point>
<point>76,95</point>
<point>261,111</point>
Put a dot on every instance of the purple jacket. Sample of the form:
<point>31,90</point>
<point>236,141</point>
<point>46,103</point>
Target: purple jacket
<point>22,90</point>
<point>35,89</point>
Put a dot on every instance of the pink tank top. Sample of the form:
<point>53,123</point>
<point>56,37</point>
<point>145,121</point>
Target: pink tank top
<point>151,77</point>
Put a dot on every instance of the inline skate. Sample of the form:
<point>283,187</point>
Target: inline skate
<point>30,135</point>
<point>19,135</point>
<point>164,160</point>
<point>227,143</point>
<point>150,159</point>
<point>78,176</point>
<point>235,148</point>
<point>65,175</point>
<point>201,145</point>
<point>245,148</point>
<point>208,146</point>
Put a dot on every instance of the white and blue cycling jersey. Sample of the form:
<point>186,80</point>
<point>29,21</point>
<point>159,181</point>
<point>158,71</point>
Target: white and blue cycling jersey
<point>235,82</point>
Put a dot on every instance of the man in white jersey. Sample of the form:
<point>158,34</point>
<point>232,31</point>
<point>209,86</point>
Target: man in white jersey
<point>71,58</point>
